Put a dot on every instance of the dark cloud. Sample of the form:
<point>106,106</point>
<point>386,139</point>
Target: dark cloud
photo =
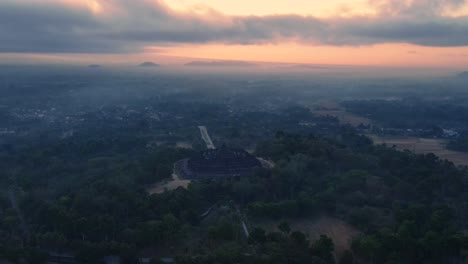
<point>41,28</point>
<point>47,28</point>
<point>438,31</point>
<point>238,30</point>
<point>420,8</point>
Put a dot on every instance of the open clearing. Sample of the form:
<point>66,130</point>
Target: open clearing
<point>341,232</point>
<point>423,146</point>
<point>173,184</point>
<point>335,110</point>
<point>344,117</point>
<point>186,145</point>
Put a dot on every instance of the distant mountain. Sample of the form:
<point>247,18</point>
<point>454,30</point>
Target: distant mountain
<point>463,75</point>
<point>94,66</point>
<point>149,64</point>
<point>220,64</point>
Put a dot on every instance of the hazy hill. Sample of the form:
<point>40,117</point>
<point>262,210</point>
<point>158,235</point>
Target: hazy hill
<point>463,74</point>
<point>149,64</point>
<point>310,67</point>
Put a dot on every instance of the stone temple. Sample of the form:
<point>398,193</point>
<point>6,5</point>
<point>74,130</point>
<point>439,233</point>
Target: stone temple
<point>217,163</point>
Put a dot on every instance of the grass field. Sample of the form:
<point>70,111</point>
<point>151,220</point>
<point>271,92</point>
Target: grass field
<point>335,110</point>
<point>341,232</point>
<point>186,145</point>
<point>422,146</point>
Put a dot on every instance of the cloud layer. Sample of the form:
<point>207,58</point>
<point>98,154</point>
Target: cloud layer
<point>128,26</point>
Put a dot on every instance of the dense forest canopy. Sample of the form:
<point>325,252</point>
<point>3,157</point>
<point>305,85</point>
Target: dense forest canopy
<point>79,152</point>
<point>410,208</point>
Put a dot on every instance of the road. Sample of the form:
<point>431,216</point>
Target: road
<point>242,220</point>
<point>206,137</point>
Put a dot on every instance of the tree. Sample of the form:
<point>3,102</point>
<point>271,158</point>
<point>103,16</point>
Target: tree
<point>224,230</point>
<point>257,236</point>
<point>347,258</point>
<point>35,256</point>
<point>323,248</point>
<point>366,247</point>
<point>299,239</point>
<point>284,227</point>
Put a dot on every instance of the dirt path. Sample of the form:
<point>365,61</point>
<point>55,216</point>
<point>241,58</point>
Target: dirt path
<point>170,185</point>
<point>242,218</point>
<point>17,209</point>
<point>266,163</point>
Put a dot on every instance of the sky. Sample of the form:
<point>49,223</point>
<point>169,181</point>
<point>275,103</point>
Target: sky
<point>408,33</point>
